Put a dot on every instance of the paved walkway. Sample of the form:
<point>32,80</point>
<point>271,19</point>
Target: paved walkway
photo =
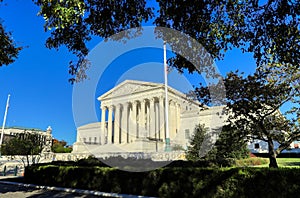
<point>19,190</point>
<point>12,191</point>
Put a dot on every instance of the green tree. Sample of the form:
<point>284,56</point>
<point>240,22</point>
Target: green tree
<point>253,106</point>
<point>8,49</point>
<point>193,150</point>
<point>74,22</point>
<point>264,29</point>
<point>269,28</point>
<point>230,144</point>
<point>26,145</point>
<point>60,147</point>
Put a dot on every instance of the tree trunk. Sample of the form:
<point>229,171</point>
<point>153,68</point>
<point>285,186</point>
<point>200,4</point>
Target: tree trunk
<point>27,158</point>
<point>272,154</point>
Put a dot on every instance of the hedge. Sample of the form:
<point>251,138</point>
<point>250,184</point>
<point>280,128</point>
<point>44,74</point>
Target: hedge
<point>172,181</point>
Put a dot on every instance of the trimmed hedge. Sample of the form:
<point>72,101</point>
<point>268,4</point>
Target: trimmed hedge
<point>173,181</point>
<point>132,164</point>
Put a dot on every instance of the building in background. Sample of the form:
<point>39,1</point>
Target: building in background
<point>45,135</point>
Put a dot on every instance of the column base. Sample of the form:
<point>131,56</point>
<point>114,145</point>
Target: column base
<point>167,146</point>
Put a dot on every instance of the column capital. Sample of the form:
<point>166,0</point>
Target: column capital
<point>111,106</point>
<point>152,99</point>
<point>125,104</point>
<point>117,105</point>
<point>161,97</point>
<point>171,102</point>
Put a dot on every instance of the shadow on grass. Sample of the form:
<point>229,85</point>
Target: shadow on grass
<point>291,164</point>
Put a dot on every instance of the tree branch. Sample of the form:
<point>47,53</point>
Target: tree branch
<point>286,144</point>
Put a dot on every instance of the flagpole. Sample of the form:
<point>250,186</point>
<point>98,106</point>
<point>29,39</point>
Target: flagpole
<point>166,100</point>
<point>4,120</point>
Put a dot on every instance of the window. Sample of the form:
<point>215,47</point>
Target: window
<point>187,133</point>
<point>256,146</point>
<point>84,140</point>
<point>90,140</point>
<point>95,140</point>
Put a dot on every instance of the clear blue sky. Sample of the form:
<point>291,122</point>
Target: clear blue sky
<point>38,80</point>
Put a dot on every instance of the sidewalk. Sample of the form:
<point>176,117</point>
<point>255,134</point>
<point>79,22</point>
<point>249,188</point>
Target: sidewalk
<point>9,177</point>
<point>20,190</point>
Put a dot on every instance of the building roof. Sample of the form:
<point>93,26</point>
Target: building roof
<point>131,87</point>
<point>25,128</point>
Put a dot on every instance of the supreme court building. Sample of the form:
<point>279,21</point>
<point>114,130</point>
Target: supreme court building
<point>133,120</point>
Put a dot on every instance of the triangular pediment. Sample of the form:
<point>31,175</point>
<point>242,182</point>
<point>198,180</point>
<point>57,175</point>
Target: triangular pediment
<point>129,87</point>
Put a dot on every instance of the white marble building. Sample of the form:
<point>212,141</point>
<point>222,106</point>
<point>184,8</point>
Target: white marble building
<point>45,136</point>
<point>133,120</point>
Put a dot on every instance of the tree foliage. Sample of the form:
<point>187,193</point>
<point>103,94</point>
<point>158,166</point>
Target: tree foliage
<point>73,23</point>
<point>60,147</point>
<point>253,105</point>
<point>193,151</point>
<point>8,49</point>
<point>265,29</point>
<point>268,29</point>
<point>230,144</point>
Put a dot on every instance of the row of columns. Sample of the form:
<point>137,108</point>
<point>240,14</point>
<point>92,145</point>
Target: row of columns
<point>138,119</point>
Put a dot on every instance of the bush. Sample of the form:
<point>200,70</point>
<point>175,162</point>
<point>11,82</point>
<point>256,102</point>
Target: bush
<point>173,181</point>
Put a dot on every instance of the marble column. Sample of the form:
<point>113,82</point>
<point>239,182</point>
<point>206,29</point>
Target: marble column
<point>171,117</point>
<point>152,119</point>
<point>117,124</point>
<point>109,128</point>
<point>124,125</point>
<point>133,122</point>
<point>177,117</point>
<point>142,120</point>
<point>161,133</point>
<point>147,117</point>
<point>103,123</point>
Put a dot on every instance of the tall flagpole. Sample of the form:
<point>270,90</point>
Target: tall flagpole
<point>166,100</point>
<point>4,120</point>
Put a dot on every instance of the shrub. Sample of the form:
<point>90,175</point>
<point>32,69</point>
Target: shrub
<point>173,181</point>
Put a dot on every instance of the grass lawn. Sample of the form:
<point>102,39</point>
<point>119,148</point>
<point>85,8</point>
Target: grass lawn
<point>289,162</point>
<point>285,162</point>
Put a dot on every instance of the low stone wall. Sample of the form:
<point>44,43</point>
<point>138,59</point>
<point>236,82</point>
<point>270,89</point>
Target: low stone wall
<point>14,165</point>
<point>49,157</point>
<point>9,163</point>
<point>69,156</point>
<point>155,156</point>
